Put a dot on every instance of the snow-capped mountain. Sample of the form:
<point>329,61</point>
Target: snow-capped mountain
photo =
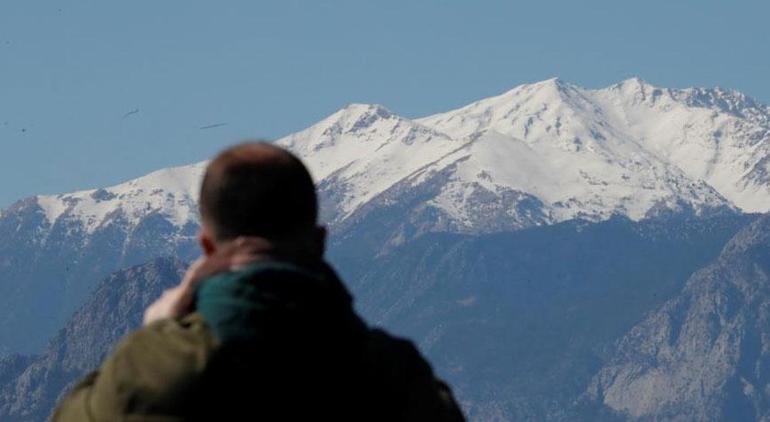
<point>549,145</point>
<point>567,152</point>
<point>537,155</point>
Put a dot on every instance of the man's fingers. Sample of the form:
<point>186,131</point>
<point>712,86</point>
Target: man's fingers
<point>236,253</point>
<point>172,303</point>
<point>177,301</point>
<point>194,272</point>
<point>232,253</point>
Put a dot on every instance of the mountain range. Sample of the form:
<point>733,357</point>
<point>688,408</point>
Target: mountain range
<point>520,239</point>
<point>538,154</point>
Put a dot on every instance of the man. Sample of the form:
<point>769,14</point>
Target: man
<point>260,328</point>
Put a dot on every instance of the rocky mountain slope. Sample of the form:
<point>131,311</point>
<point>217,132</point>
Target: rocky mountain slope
<point>704,354</point>
<point>30,386</point>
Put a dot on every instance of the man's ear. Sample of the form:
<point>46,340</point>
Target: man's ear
<point>319,241</point>
<point>206,241</point>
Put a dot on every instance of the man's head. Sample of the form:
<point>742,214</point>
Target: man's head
<point>260,190</point>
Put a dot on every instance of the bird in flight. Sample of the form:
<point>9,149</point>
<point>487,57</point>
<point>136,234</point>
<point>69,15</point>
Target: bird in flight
<point>213,126</point>
<point>132,112</point>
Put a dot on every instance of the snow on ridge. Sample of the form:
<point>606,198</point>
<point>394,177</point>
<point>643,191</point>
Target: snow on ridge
<point>629,148</point>
<point>712,135</point>
<point>717,98</point>
<point>589,188</point>
<point>723,140</point>
<point>173,192</point>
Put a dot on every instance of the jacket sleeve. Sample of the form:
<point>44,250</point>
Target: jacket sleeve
<point>141,379</point>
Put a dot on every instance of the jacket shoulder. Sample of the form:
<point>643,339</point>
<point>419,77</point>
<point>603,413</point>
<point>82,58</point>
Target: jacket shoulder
<point>159,361</point>
<point>150,372</point>
<point>398,363</point>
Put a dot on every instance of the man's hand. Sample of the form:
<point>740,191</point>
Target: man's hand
<point>177,301</point>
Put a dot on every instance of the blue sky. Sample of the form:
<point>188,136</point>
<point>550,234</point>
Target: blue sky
<point>71,71</point>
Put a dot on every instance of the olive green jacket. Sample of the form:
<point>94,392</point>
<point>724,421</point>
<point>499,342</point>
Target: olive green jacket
<point>275,341</point>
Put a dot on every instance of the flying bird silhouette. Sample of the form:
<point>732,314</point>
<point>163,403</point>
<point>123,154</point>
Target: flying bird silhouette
<point>213,126</point>
<point>132,112</point>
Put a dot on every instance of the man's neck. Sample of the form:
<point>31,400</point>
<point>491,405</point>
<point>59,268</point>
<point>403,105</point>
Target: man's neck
<point>247,250</point>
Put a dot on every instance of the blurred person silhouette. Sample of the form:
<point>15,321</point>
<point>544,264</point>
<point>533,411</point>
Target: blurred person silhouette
<point>260,327</point>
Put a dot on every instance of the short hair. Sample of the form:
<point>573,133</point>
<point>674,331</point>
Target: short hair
<point>258,189</point>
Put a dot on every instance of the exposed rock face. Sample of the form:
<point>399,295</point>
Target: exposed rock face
<point>30,386</point>
<point>705,354</point>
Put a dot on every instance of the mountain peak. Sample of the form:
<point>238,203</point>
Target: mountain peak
<point>529,111</point>
<point>635,86</point>
<point>355,117</point>
<point>634,81</point>
<point>554,88</point>
<point>553,82</point>
<point>362,109</point>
